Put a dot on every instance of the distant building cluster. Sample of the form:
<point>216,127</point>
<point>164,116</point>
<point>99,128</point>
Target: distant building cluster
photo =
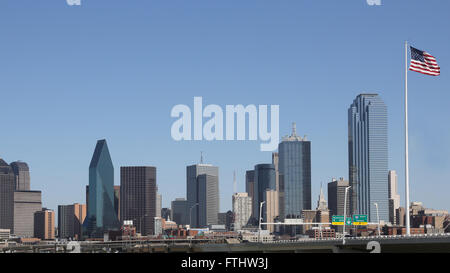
<point>277,199</point>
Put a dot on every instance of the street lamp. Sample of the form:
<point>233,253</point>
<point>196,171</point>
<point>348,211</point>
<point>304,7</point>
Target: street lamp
<point>378,218</point>
<point>260,218</point>
<point>190,215</point>
<point>345,213</point>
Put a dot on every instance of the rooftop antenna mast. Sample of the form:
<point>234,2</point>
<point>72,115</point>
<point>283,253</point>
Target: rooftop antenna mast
<point>234,182</point>
<point>201,157</point>
<point>294,129</point>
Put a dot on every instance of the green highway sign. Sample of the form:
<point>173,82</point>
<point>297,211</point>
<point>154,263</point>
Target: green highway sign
<point>360,220</point>
<point>338,220</point>
<point>349,221</point>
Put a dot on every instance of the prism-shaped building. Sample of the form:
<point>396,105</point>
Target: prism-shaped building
<point>101,216</point>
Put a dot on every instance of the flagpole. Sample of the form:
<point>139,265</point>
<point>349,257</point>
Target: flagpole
<point>408,231</point>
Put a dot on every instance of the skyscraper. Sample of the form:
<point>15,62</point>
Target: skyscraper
<point>264,180</point>
<point>70,220</point>
<point>101,215</point>
<point>202,188</point>
<point>26,203</point>
<point>117,200</point>
<point>180,211</point>
<point>394,198</point>
<point>138,197</point>
<point>336,192</point>
<point>158,205</point>
<point>44,224</point>
<point>279,185</point>
<point>368,156</point>
<point>7,186</point>
<point>250,184</point>
<point>242,209</point>
<point>295,174</point>
<point>208,200</point>
<point>271,208</point>
<point>22,173</point>
<point>275,160</point>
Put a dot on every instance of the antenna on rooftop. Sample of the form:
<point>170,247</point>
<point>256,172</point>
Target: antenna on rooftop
<point>201,157</point>
<point>234,182</point>
<point>294,129</point>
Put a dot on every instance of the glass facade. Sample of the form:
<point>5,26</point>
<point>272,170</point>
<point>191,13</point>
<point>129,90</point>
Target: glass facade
<point>264,180</point>
<point>204,191</point>
<point>294,168</point>
<point>7,186</point>
<point>368,156</point>
<point>101,215</point>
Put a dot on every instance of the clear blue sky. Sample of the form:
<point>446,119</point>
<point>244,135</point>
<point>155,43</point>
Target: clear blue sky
<point>114,69</point>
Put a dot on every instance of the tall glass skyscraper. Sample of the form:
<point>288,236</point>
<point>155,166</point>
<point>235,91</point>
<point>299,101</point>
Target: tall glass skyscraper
<point>294,166</point>
<point>368,156</point>
<point>7,186</point>
<point>101,215</point>
<point>264,180</point>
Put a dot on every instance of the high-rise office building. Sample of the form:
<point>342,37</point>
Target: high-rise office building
<point>44,224</point>
<point>180,211</point>
<point>294,166</point>
<point>22,173</point>
<point>250,184</point>
<point>208,200</point>
<point>101,215</point>
<point>202,188</point>
<point>264,180</point>
<point>279,184</point>
<point>26,203</point>
<point>394,197</point>
<point>117,200</point>
<point>272,209</point>
<point>400,216</point>
<point>7,186</point>
<point>158,205</point>
<point>275,162</point>
<point>336,192</point>
<point>138,197</point>
<point>368,156</point>
<point>70,220</point>
<point>242,209</point>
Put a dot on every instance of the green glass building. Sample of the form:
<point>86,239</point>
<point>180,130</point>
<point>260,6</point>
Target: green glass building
<point>101,214</point>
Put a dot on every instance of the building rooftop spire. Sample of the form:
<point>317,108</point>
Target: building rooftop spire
<point>294,129</point>
<point>322,203</point>
<point>294,136</point>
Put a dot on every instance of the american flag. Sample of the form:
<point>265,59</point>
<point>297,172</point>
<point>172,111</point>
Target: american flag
<point>424,63</point>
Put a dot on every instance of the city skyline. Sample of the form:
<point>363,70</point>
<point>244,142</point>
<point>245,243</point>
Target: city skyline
<point>76,99</point>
